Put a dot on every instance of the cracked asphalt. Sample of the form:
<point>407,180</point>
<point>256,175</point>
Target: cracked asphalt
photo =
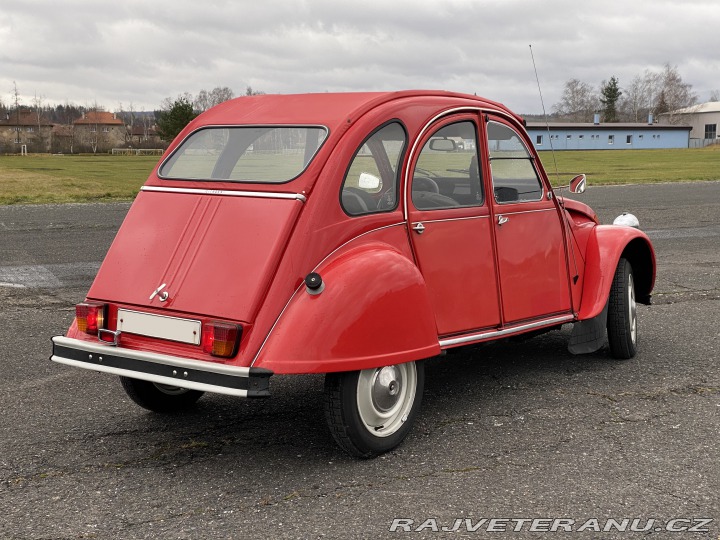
<point>519,429</point>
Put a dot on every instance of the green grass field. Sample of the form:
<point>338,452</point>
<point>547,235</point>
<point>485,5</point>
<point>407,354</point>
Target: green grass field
<point>635,166</point>
<point>43,178</point>
<point>60,179</point>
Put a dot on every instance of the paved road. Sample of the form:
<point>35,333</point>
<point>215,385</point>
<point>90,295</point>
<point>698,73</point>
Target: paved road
<point>513,430</point>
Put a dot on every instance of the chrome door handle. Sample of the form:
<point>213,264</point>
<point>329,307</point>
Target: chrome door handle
<point>502,220</point>
<point>418,228</point>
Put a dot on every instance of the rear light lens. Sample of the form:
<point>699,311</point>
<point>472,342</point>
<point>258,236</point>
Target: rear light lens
<point>221,338</point>
<point>90,316</point>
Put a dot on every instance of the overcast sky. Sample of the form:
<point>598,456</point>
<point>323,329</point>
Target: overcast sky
<point>139,52</point>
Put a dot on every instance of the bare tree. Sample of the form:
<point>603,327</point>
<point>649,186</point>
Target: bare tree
<point>16,98</point>
<point>714,96</point>
<point>656,92</point>
<point>128,117</point>
<point>578,103</point>
<point>675,93</point>
<point>640,97</point>
<point>38,114</point>
<point>250,92</point>
<point>206,100</point>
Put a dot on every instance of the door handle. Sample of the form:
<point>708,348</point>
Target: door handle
<point>418,228</point>
<point>502,220</point>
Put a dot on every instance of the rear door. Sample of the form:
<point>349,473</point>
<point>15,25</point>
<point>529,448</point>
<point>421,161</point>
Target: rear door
<point>450,227</point>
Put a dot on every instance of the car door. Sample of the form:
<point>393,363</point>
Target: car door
<point>450,227</point>
<point>532,262</point>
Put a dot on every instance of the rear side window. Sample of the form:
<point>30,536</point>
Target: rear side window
<point>253,154</point>
<point>513,172</point>
<point>371,181</point>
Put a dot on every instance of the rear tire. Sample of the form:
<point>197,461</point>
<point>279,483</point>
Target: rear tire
<point>622,313</point>
<point>370,412</point>
<point>159,398</point>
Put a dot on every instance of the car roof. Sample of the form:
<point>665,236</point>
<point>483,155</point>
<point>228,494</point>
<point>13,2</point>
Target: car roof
<point>328,109</point>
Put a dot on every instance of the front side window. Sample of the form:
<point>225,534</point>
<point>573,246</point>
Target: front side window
<point>257,154</point>
<point>513,172</point>
<point>446,174</point>
<point>371,181</point>
<point>710,131</point>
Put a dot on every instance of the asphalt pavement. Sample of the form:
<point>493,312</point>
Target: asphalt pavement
<point>519,432</point>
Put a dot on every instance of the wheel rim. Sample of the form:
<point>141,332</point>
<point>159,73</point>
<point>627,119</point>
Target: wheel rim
<point>632,308</point>
<point>385,397</point>
<point>170,390</point>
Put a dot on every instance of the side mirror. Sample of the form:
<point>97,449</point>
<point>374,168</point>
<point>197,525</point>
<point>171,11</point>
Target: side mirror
<point>578,184</point>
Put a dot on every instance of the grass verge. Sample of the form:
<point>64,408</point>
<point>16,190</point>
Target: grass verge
<point>42,178</point>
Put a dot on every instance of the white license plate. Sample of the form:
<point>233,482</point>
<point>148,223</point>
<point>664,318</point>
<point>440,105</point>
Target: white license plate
<point>159,326</point>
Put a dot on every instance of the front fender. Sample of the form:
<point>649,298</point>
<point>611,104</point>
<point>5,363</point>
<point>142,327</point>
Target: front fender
<point>374,310</point>
<point>607,243</point>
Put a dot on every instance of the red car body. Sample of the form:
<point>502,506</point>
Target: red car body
<point>335,271</point>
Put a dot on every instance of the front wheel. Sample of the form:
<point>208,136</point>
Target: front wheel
<point>160,398</point>
<point>622,313</point>
<point>370,412</point>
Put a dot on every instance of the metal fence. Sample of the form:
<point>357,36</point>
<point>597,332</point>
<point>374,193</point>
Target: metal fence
<point>137,151</point>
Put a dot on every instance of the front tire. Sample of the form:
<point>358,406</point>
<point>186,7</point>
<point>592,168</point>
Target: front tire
<point>622,313</point>
<point>370,412</point>
<point>159,398</point>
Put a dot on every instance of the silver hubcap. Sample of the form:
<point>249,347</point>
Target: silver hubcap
<point>633,309</point>
<point>385,397</point>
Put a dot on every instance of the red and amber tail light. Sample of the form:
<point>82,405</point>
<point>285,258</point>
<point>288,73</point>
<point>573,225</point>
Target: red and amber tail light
<point>221,338</point>
<point>90,317</point>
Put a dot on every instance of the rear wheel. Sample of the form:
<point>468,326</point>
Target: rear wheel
<point>622,313</point>
<point>160,398</point>
<point>370,412</point>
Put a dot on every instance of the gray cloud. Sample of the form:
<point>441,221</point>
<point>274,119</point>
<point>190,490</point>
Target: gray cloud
<point>141,52</point>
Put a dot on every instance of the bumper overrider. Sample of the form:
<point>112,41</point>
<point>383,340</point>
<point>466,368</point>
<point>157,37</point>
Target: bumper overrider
<point>162,368</point>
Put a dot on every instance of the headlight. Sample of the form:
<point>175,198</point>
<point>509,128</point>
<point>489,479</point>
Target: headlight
<point>627,219</point>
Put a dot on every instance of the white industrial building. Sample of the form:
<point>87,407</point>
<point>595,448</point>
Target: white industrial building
<point>703,119</point>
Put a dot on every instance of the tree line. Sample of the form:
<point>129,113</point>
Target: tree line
<point>168,120</point>
<point>650,92</point>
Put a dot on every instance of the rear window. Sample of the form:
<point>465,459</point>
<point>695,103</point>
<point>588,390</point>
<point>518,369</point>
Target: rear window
<point>257,154</point>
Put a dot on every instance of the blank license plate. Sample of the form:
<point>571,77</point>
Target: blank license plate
<point>159,326</point>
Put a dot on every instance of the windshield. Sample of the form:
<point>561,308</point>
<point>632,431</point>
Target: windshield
<point>263,154</point>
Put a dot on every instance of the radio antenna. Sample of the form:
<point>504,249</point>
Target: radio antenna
<point>557,173</point>
<point>547,123</point>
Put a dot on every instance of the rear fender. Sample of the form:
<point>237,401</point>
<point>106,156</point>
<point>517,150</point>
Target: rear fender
<point>606,245</point>
<point>374,310</point>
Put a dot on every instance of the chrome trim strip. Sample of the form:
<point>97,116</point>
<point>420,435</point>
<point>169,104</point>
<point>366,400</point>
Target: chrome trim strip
<point>155,358</point>
<point>226,192</point>
<point>419,136</point>
<point>302,285</point>
<point>453,219</point>
<point>505,332</point>
<point>553,209</point>
<point>426,127</point>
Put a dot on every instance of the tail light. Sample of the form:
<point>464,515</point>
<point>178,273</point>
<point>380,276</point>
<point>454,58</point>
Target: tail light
<point>90,317</point>
<point>221,338</point>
